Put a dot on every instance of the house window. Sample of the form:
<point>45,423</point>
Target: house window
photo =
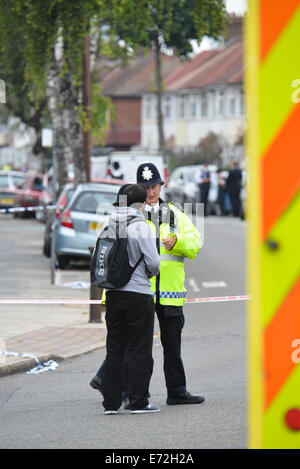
<point>181,107</point>
<point>204,105</point>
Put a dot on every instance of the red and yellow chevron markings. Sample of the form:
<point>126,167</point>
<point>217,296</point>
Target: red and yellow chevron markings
<point>273,141</point>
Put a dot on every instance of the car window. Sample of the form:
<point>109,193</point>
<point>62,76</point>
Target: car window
<point>17,180</point>
<point>4,180</point>
<point>69,194</point>
<point>37,184</point>
<point>191,176</point>
<point>179,176</point>
<point>92,201</point>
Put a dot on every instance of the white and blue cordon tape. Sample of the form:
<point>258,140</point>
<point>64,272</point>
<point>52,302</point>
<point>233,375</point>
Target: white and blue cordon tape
<point>26,209</point>
<point>50,365</point>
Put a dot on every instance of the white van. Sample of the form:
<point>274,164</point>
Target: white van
<point>127,163</point>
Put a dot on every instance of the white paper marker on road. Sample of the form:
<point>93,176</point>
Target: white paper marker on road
<point>214,284</point>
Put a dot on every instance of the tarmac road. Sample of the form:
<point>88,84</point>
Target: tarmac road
<point>58,409</point>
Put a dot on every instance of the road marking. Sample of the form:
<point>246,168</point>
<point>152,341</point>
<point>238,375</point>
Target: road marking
<point>214,284</point>
<point>194,285</point>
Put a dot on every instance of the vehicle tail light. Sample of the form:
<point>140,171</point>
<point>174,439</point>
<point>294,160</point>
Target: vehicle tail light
<point>166,177</point>
<point>60,205</point>
<point>66,219</point>
<point>109,173</point>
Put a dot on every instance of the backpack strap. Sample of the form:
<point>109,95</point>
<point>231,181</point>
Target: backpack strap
<point>129,221</point>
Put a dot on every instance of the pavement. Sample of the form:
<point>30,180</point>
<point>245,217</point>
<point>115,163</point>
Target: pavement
<point>56,332</point>
<point>45,331</point>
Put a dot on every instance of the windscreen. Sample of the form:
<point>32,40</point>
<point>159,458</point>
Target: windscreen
<point>94,202</point>
<point>4,180</point>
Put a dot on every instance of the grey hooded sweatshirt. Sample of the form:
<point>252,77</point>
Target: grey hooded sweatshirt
<point>140,241</point>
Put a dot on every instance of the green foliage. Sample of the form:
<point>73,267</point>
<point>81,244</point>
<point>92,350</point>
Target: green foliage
<point>173,23</point>
<point>209,150</point>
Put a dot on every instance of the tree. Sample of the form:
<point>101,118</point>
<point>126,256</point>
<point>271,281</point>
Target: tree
<point>18,103</point>
<point>54,34</point>
<point>174,24</point>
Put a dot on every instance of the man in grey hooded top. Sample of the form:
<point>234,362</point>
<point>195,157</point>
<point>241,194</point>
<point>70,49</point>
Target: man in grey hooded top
<point>130,312</point>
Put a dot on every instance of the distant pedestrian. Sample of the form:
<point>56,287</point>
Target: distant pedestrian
<point>116,172</point>
<point>203,179</point>
<point>233,187</point>
<point>130,313</point>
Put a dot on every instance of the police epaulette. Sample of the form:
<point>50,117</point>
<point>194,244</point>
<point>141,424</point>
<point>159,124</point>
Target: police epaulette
<point>176,205</point>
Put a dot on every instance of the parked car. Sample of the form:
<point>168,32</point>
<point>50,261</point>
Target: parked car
<point>52,214</point>
<point>78,225</point>
<point>29,193</point>
<point>183,188</point>
<point>9,183</point>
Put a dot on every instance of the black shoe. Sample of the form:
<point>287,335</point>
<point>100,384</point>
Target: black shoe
<point>150,408</point>
<point>96,383</point>
<point>127,405</point>
<point>185,398</point>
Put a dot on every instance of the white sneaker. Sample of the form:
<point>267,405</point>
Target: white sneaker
<point>147,410</point>
<point>110,412</point>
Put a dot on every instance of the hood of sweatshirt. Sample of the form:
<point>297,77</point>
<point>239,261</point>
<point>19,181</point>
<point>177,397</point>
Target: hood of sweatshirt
<point>125,214</point>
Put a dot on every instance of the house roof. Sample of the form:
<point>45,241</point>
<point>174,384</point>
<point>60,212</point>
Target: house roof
<point>209,68</point>
<point>138,76</point>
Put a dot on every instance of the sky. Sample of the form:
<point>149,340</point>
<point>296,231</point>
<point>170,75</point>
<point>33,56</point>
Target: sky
<point>236,6</point>
<point>232,6</point>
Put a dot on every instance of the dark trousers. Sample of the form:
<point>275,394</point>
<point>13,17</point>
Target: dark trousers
<point>130,322</point>
<point>170,336</point>
<point>204,191</point>
<point>236,205</point>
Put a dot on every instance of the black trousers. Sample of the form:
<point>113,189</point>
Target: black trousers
<point>130,321</point>
<point>204,191</point>
<point>236,205</point>
<point>170,336</point>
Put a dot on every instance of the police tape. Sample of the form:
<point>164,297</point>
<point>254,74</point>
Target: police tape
<point>50,365</point>
<point>26,209</point>
<point>211,299</point>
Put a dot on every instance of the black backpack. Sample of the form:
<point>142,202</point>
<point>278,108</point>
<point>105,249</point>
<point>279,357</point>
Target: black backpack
<point>110,266</point>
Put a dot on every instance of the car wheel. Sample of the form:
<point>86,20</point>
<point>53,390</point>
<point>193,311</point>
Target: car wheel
<point>62,261</point>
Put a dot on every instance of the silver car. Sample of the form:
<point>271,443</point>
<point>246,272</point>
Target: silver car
<point>10,181</point>
<point>78,226</point>
<point>183,187</point>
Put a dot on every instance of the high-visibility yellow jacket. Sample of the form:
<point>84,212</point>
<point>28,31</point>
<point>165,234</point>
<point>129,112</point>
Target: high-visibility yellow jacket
<point>169,284</point>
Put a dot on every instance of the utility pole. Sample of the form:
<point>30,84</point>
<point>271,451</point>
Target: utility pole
<point>87,106</point>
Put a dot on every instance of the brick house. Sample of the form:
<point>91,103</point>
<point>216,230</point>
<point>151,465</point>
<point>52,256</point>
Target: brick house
<point>125,86</point>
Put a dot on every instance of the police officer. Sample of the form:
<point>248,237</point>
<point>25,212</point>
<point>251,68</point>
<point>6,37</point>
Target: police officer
<point>176,238</point>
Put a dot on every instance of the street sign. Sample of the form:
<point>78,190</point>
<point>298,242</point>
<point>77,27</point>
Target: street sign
<point>47,137</point>
<point>273,108</point>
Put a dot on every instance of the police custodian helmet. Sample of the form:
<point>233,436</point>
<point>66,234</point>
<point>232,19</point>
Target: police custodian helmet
<point>148,175</point>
